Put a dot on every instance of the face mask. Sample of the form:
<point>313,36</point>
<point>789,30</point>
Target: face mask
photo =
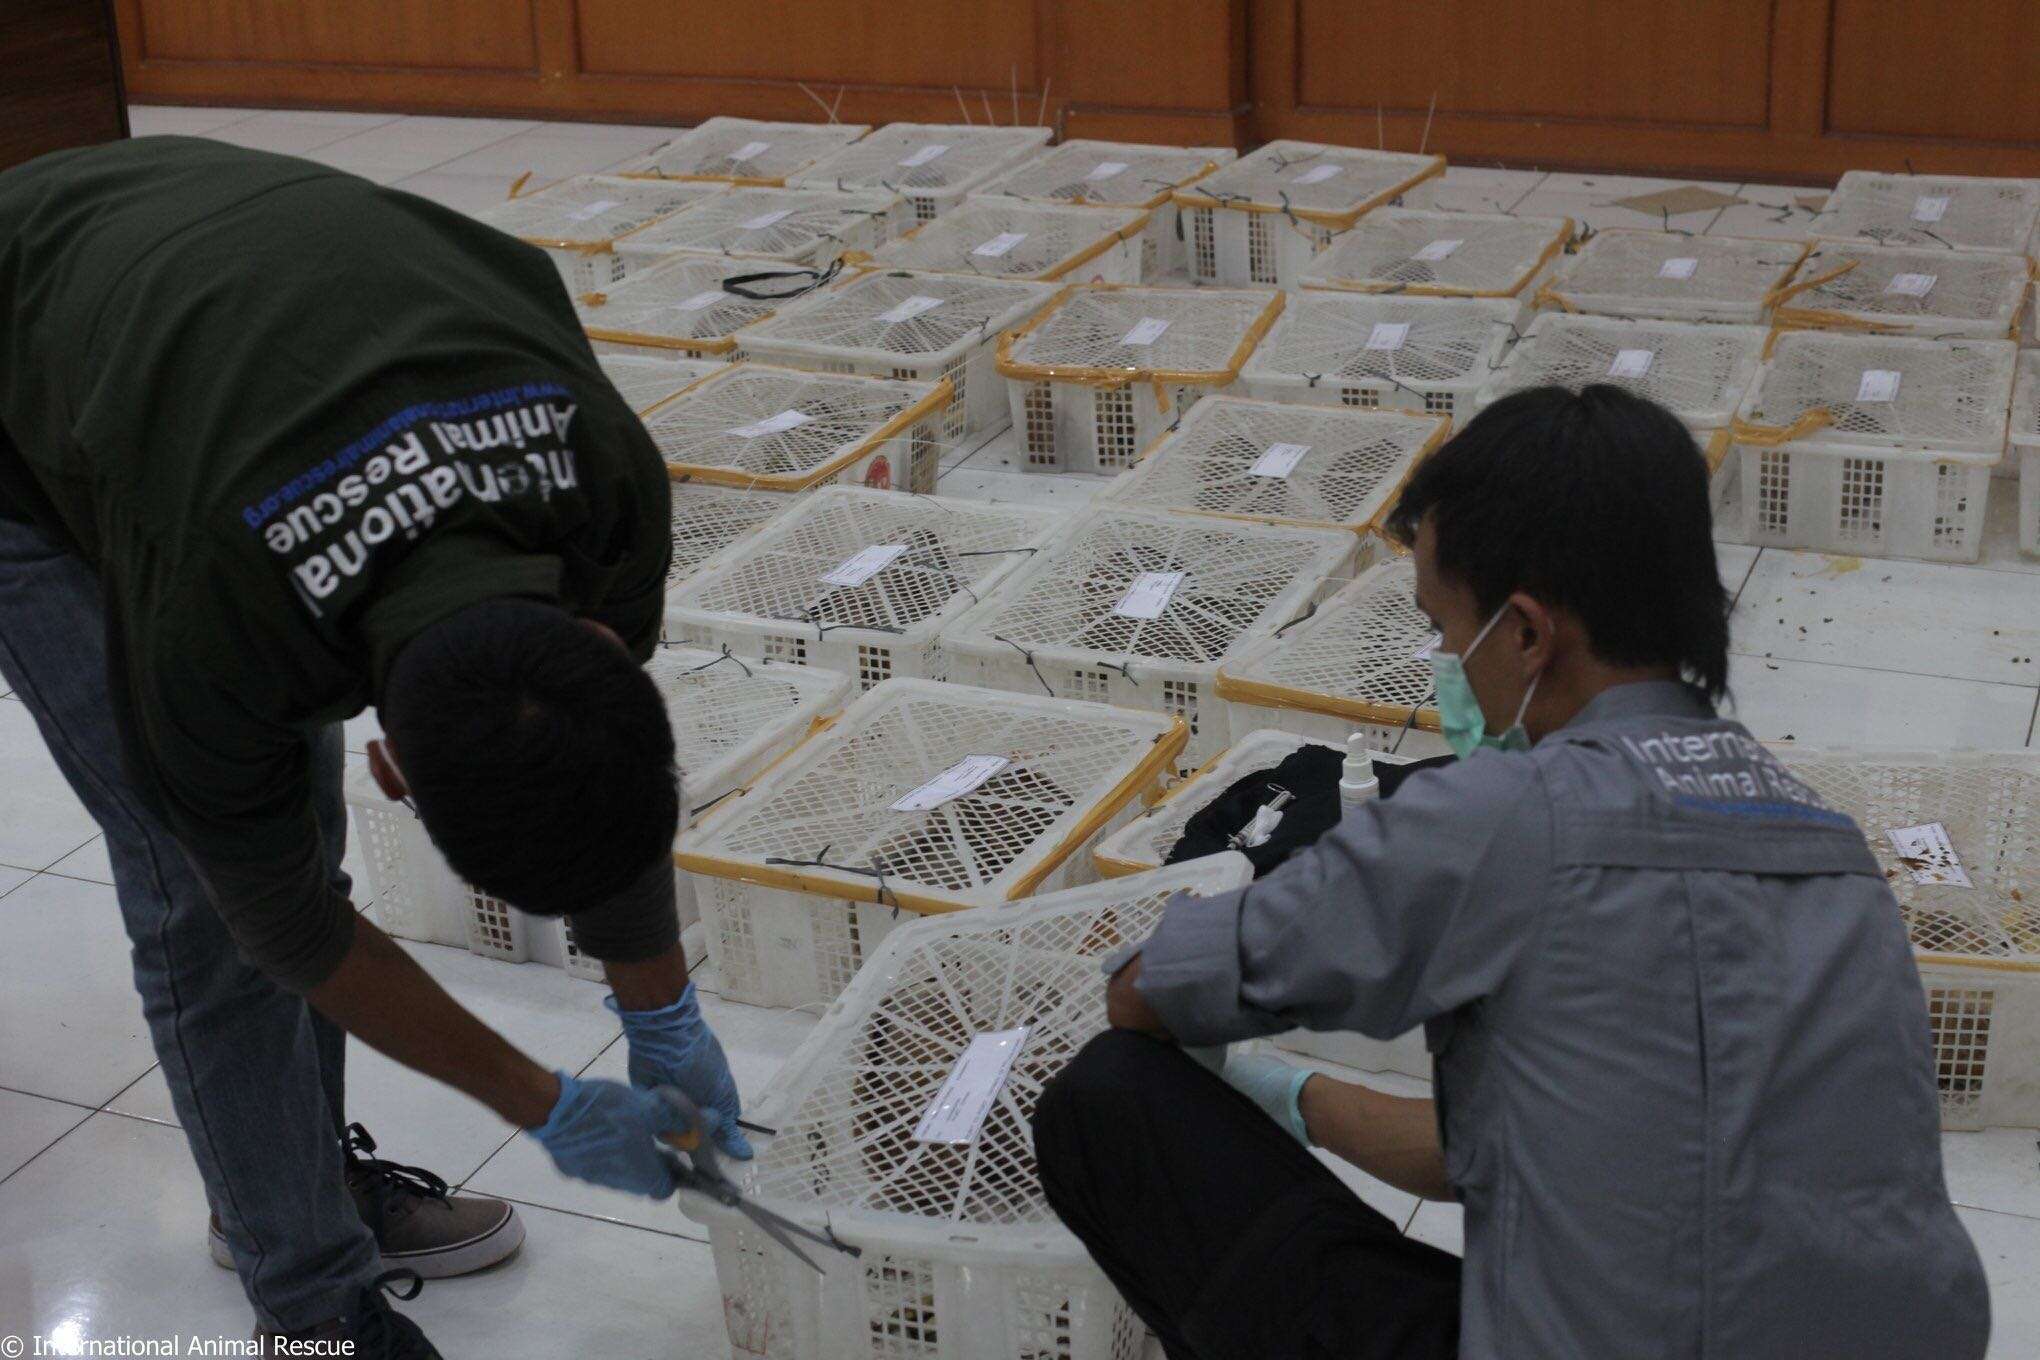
<point>1459,712</point>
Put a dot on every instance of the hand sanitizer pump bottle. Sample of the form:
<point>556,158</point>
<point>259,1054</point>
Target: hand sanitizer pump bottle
<point>1357,781</point>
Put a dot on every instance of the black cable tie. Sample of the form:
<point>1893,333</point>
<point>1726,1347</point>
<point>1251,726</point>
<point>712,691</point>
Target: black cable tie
<point>1311,379</point>
<point>727,655</point>
<point>1929,231</point>
<point>1123,669</point>
<point>736,284</point>
<point>1029,657</point>
<point>1312,609</point>
<point>696,812</point>
<point>748,1127</point>
<point>1410,722</point>
<point>996,552</point>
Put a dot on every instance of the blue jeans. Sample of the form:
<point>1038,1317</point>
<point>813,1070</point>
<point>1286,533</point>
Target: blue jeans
<point>255,1073</point>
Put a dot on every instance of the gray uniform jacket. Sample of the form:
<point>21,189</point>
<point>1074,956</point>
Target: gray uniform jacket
<point>1683,1070</point>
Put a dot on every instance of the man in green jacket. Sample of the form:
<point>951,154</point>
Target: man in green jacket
<point>277,445</point>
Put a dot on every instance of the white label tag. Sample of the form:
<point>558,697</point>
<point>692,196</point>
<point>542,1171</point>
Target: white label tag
<point>1631,363</point>
<point>1317,174</point>
<point>706,298</point>
<point>1911,285</point>
<point>1147,332</point>
<point>785,420</point>
<point>960,1108</point>
<point>864,564</point>
<point>1388,335</point>
<point>750,151</point>
<point>1678,267</point>
<point>910,309</point>
<point>1279,461</point>
<point>1437,250</point>
<point>925,154</point>
<point>954,782</point>
<point>1431,644</point>
<point>1930,207</point>
<point>764,220</point>
<point>1149,595</point>
<point>1927,851</point>
<point>1105,170</point>
<point>1877,384</point>
<point>1001,244</point>
<point>595,209</point>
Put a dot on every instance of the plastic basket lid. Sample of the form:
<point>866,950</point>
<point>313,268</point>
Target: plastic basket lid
<point>1697,371</point>
<point>884,316</point>
<point>1989,804</point>
<point>1678,277</point>
<point>727,711</point>
<point>1395,250</point>
<point>1919,292</point>
<point>1011,239</point>
<point>795,225</point>
<point>677,304</point>
<point>644,382</point>
<point>1413,342</point>
<point>848,1103</point>
<point>1323,466</point>
<point>746,149</point>
<point>1360,657</point>
<point>1327,184</point>
<point>900,564</point>
<point>1936,211</point>
<point>708,519</point>
<point>592,211</point>
<point>756,425</point>
<point>1202,331</point>
<point>1120,174</point>
<point>925,158</point>
<point>1238,581</point>
<point>2025,431</point>
<point>1949,396</point>
<point>857,811</point>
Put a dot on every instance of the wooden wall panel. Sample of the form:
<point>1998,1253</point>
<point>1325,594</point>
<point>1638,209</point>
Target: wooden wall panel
<point>1959,71</point>
<point>482,35</point>
<point>59,80</point>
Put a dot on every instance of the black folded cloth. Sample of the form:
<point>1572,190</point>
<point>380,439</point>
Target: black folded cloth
<point>1310,775</point>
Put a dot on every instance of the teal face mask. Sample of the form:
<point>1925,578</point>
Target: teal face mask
<point>1459,712</point>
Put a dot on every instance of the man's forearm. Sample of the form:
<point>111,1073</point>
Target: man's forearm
<point>649,985</point>
<point>1392,1138</point>
<point>382,997</point>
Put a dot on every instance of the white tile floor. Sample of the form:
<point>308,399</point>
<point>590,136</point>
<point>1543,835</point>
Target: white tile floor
<point>103,1211</point>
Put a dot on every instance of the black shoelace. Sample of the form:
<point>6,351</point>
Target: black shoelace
<point>378,1334</point>
<point>387,1178</point>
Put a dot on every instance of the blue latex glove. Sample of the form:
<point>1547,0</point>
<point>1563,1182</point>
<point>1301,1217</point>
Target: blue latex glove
<point>607,1133</point>
<point>674,1046</point>
<point>1273,1085</point>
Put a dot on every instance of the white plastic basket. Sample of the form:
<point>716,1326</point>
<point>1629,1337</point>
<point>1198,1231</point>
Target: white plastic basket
<point>579,221</point>
<point>1978,947</point>
<point>801,876</point>
<point>1084,399</point>
<point>784,429</point>
<point>935,165</point>
<point>1262,218</point>
<point>961,1254</point>
<point>643,381</point>
<point>1444,254</point>
<point>1074,620</point>
<point>1279,463</point>
<point>1697,372</point>
<point>1382,352</point>
<point>793,226</point>
<point>1936,212</point>
<point>1357,664</point>
<point>2025,439</point>
<point>1667,276</point>
<point>1120,175</point>
<point>1878,446</point>
<point>745,150</point>
<point>677,307</point>
<point>1936,293</point>
<point>917,327</point>
<point>859,581</point>
<point>1003,238</point>
<point>708,520</point>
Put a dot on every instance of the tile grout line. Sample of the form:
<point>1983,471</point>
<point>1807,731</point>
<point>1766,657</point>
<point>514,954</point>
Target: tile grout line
<point>1733,651</point>
<point>86,1117</point>
<point>580,1071</point>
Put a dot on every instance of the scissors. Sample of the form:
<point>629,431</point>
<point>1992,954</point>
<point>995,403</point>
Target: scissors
<point>705,1177</point>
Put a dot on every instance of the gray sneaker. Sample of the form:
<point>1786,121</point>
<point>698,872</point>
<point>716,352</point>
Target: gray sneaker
<point>370,1330</point>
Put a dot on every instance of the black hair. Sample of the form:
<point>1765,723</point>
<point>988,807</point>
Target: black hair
<point>1593,501</point>
<point>538,753</point>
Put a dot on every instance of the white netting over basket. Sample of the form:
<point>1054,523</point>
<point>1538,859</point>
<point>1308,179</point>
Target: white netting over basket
<point>1979,944</point>
<point>1141,608</point>
<point>923,797</point>
<point>745,150</point>
<point>1358,663</point>
<point>1442,254</point>
<point>1673,277</point>
<point>859,581</point>
<point>645,381</point>
<point>707,519</point>
<point>1281,463</point>
<point>1698,371</point>
<point>2025,442</point>
<point>579,221</point>
<point>1119,175</point>
<point>1377,351</point>
<point>1936,293</point>
<point>1097,379</point>
<point>1004,238</point>
<point>796,226</point>
<point>785,429</point>
<point>961,1252</point>
<point>892,324</point>
<point>675,307</point>
<point>933,164</point>
<point>1941,212</point>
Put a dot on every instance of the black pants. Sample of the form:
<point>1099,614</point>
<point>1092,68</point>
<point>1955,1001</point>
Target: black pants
<point>1229,1240</point>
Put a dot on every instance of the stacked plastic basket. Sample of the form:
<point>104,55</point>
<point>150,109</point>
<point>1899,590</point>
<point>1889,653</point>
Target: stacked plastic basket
<point>745,150</point>
<point>796,226</point>
<point>676,308</point>
<point>1382,352</point>
<point>934,165</point>
<point>643,382</point>
<point>1120,175</point>
<point>1669,277</point>
<point>1444,254</point>
<point>1003,238</point>
<point>579,222</point>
